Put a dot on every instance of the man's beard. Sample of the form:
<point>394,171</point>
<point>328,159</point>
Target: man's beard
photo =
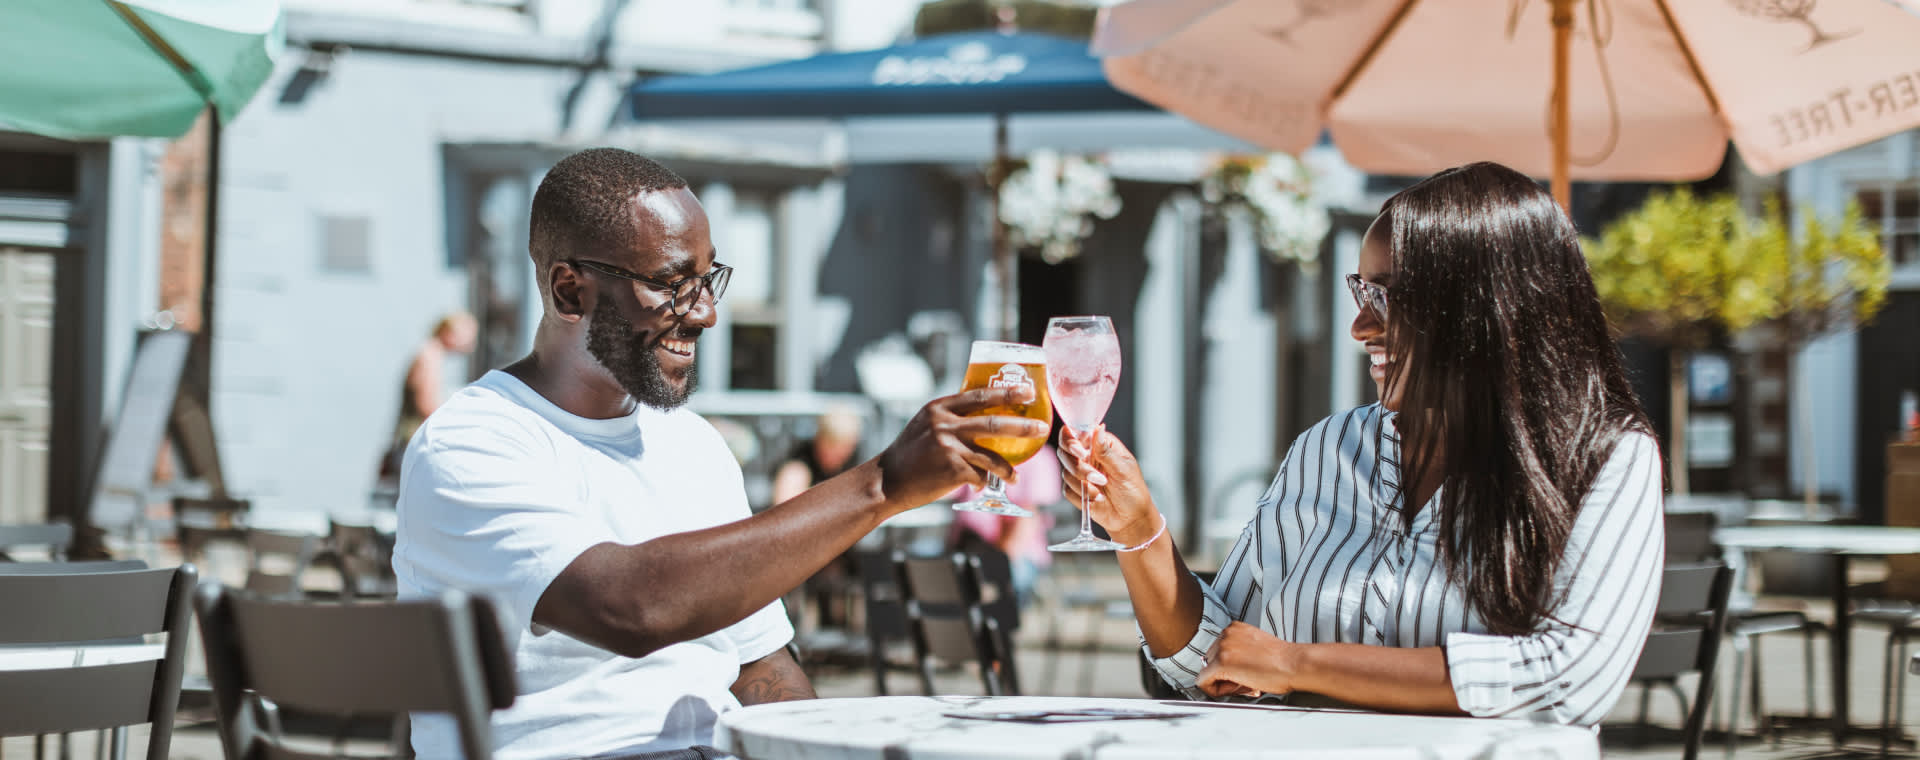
<point>634,365</point>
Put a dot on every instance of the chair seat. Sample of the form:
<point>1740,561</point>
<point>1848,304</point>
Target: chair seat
<point>1756,622</point>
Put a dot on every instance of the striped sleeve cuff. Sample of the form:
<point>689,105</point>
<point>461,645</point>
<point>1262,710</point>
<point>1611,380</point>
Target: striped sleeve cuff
<point>1182,668</point>
<point>1481,669</point>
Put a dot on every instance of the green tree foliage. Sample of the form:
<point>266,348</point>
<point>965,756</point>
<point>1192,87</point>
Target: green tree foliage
<point>1682,268</point>
<point>1675,270</point>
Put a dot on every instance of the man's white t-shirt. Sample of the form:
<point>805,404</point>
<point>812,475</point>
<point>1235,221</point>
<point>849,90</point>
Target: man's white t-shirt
<point>500,490</point>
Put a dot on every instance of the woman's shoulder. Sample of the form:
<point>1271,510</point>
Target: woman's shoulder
<point>1361,420</point>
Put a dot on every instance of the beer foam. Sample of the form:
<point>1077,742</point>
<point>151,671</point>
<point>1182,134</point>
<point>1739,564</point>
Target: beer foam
<point>996,352</point>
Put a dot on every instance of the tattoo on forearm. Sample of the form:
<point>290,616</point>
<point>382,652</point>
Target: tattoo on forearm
<point>774,678</point>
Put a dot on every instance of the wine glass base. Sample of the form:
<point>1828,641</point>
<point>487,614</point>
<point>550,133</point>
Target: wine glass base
<point>1086,544</point>
<point>993,506</point>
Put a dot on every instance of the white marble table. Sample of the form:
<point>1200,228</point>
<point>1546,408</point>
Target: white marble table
<point>920,728</point>
<point>1842,543</point>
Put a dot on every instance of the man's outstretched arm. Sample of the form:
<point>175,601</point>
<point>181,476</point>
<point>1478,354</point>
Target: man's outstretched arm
<point>773,678</point>
<point>635,599</point>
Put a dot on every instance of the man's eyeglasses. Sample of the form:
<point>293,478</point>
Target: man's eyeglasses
<point>1368,295</point>
<point>685,291</point>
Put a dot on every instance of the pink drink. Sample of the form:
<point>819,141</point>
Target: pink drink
<point>1083,370</point>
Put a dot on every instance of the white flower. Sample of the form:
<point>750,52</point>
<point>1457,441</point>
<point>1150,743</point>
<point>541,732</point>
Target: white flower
<point>1280,192</point>
<point>1052,202</point>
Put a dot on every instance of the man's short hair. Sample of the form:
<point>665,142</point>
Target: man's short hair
<point>584,205</point>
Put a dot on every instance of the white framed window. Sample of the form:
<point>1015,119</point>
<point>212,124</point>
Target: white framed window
<point>1894,208</point>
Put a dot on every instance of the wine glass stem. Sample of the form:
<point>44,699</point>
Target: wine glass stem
<point>1086,516</point>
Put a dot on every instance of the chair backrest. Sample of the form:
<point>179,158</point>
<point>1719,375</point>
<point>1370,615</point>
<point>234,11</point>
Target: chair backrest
<point>50,537</point>
<point>885,605</point>
<point>1690,537</point>
<point>99,612</point>
<point>993,577</point>
<point>278,560</point>
<point>1690,618</point>
<point>364,558</point>
<point>948,624</point>
<point>374,658</point>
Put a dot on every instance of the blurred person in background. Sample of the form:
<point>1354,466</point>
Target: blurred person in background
<point>638,593</point>
<point>831,451</point>
<point>1485,540</point>
<point>1022,539</point>
<point>425,387</point>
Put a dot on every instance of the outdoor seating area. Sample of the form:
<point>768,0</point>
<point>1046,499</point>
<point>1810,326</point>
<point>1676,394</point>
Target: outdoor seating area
<point>943,619</point>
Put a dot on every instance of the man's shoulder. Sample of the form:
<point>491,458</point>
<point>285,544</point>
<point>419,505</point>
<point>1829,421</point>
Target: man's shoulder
<point>479,413</point>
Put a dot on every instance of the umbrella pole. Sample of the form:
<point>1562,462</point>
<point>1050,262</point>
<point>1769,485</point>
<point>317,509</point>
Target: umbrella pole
<point>1002,257</point>
<point>1562,38</point>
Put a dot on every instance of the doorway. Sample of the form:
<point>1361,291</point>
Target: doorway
<point>26,371</point>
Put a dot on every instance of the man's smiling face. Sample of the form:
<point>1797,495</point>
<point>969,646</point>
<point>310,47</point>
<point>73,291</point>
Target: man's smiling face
<point>633,331</point>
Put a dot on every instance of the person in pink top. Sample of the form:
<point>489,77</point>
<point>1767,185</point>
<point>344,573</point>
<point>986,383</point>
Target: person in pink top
<point>1023,539</point>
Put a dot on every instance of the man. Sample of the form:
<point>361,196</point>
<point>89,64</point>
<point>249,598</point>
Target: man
<point>640,598</point>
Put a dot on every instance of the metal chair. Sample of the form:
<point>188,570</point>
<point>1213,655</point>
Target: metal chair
<point>350,660</point>
<point>53,538</point>
<point>885,610</point>
<point>98,611</point>
<point>1689,619</point>
<point>277,560</point>
<point>364,559</point>
<point>1690,540</point>
<point>948,624</point>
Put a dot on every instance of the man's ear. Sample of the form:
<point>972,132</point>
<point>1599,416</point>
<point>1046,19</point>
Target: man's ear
<point>571,293</point>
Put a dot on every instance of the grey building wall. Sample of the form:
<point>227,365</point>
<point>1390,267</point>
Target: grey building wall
<point>311,350</point>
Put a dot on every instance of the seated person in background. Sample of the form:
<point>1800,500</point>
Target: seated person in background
<point>831,451</point>
<point>1022,539</point>
<point>1485,541</point>
<point>639,597</point>
<point>835,442</point>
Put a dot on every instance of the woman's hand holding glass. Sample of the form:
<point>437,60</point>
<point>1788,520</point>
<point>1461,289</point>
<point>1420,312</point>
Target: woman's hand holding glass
<point>1115,493</point>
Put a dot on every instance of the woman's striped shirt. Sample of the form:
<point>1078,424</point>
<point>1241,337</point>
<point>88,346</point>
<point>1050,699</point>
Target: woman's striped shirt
<point>1326,559</point>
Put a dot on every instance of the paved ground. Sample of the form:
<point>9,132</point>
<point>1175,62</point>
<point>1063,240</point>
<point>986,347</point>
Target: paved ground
<point>1091,651</point>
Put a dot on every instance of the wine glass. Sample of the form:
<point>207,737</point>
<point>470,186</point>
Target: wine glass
<point>1083,371</point>
<point>993,364</point>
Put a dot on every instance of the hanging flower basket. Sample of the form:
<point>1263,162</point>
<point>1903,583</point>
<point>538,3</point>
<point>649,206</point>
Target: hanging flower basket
<point>1279,191</point>
<point>1051,202</point>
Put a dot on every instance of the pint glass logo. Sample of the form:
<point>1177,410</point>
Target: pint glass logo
<point>1010,376</point>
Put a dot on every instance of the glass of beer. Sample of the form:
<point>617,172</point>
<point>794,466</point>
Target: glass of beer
<point>993,364</point>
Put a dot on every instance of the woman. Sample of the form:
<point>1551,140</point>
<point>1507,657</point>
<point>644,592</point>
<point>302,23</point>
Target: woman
<point>1514,574</point>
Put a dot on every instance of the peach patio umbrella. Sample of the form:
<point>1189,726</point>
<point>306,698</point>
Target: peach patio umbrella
<point>1599,89</point>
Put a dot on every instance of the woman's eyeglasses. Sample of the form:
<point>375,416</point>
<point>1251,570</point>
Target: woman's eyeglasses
<point>685,291</point>
<point>1368,295</point>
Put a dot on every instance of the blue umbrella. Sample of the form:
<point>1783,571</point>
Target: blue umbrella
<point>987,73</point>
<point>967,73</point>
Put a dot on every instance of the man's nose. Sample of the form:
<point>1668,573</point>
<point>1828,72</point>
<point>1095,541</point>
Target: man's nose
<point>705,311</point>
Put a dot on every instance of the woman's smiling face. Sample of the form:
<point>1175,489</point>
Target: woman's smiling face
<point>1369,325</point>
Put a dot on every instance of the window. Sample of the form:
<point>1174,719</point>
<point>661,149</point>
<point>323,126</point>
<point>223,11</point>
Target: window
<point>752,247</point>
<point>1895,209</point>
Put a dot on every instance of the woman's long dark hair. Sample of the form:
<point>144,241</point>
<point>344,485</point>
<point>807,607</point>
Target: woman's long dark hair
<point>1508,371</point>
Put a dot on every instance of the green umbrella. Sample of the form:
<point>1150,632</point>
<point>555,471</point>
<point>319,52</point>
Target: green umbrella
<point>80,69</point>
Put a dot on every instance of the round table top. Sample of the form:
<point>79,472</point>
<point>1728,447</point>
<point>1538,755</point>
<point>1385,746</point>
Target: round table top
<point>1823,539</point>
<point>926,728</point>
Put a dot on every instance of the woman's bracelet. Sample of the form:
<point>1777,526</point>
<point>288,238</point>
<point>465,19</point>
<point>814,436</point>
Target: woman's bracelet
<point>1149,542</point>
